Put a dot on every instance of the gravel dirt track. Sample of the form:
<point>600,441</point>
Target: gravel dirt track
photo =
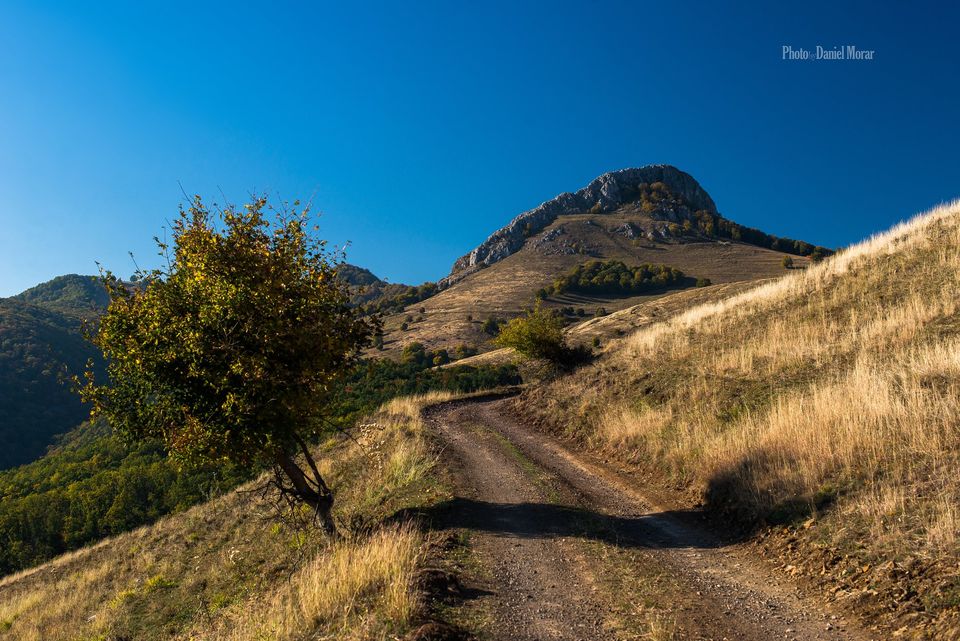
<point>546,522</point>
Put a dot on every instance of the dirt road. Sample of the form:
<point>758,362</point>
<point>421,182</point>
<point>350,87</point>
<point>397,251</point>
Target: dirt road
<point>570,549</point>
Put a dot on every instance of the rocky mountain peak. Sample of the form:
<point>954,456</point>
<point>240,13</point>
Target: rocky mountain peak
<point>604,194</point>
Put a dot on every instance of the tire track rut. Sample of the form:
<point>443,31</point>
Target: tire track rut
<point>535,512</point>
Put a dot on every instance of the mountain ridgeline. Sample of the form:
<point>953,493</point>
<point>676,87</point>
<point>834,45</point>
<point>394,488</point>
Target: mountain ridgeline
<point>666,195</point>
<point>654,228</point>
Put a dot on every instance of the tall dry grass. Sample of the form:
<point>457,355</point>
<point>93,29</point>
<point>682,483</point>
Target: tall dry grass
<point>833,391</point>
<point>228,570</point>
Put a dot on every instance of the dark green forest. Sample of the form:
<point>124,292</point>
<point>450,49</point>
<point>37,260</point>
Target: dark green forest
<point>39,347</point>
<point>615,278</point>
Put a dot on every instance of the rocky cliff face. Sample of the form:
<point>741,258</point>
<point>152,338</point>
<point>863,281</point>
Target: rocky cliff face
<point>604,194</point>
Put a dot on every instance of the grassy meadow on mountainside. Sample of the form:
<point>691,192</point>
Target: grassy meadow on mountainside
<point>707,249</point>
<point>826,401</point>
<point>230,570</point>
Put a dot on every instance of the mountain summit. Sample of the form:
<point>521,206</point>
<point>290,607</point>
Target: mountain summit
<point>604,194</point>
<point>655,218</point>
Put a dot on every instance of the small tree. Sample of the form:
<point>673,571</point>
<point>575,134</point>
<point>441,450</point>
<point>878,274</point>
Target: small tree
<point>231,351</point>
<point>539,334</point>
<point>787,262</point>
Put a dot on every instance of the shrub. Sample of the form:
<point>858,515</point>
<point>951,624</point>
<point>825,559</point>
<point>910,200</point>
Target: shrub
<point>703,282</point>
<point>464,351</point>
<point>539,334</point>
<point>414,353</point>
<point>492,326</point>
<point>787,262</point>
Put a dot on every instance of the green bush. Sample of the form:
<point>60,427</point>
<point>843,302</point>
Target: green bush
<point>464,351</point>
<point>492,326</point>
<point>539,334</point>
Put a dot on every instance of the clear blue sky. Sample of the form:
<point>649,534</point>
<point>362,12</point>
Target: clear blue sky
<point>418,128</point>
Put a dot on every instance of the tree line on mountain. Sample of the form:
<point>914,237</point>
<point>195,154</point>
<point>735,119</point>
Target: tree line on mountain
<point>93,486</point>
<point>657,195</point>
<point>614,277</point>
<point>397,302</point>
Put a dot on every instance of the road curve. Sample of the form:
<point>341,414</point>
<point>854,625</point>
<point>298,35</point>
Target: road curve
<point>545,523</point>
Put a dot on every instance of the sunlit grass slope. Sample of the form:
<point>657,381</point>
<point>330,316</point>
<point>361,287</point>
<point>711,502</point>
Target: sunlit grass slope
<point>229,570</point>
<point>829,397</point>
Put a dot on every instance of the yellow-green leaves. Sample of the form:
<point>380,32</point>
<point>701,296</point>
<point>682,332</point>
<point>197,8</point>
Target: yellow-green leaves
<point>228,352</point>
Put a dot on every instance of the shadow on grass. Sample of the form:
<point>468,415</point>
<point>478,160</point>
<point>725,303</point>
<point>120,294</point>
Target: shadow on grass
<point>754,493</point>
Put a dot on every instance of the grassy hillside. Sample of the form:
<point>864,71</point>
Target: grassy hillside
<point>91,485</point>
<point>825,401</point>
<point>505,288</point>
<point>227,570</point>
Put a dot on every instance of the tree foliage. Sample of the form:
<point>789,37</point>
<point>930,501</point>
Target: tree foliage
<point>539,334</point>
<point>231,351</point>
<point>92,486</point>
<point>616,278</point>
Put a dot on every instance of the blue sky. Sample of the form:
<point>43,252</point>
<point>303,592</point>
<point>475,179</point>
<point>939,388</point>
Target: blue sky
<point>418,128</point>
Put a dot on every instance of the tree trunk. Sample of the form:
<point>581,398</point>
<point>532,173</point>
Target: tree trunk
<point>316,494</point>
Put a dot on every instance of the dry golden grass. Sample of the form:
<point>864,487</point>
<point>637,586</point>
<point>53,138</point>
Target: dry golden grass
<point>507,287</point>
<point>833,391</point>
<point>228,570</point>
